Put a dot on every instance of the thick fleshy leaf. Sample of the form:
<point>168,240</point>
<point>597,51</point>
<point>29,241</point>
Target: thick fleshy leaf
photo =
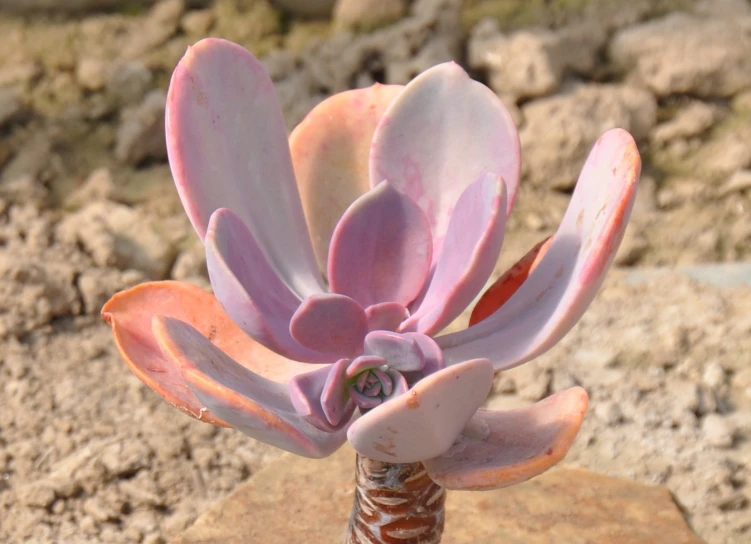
<point>227,146</point>
<point>427,419</point>
<point>397,384</point>
<point>505,286</point>
<point>385,316</point>
<point>438,136</point>
<point>330,149</point>
<point>362,363</point>
<point>390,384</point>
<point>401,352</point>
<point>363,401</point>
<point>337,406</point>
<point>307,392</point>
<point>249,288</point>
<point>499,449</point>
<point>432,355</point>
<point>385,381</point>
<point>330,323</point>
<point>472,245</point>
<point>248,402</point>
<point>562,286</point>
<point>381,249</point>
<point>130,312</point>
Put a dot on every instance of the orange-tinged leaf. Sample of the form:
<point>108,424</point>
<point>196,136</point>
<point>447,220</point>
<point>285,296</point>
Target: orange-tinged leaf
<point>505,286</point>
<point>330,150</point>
<point>499,449</point>
<point>129,314</point>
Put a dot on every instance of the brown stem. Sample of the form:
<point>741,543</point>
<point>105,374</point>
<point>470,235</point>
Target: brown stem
<point>395,504</point>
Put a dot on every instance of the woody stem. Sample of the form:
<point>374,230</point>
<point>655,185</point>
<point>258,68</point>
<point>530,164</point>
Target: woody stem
<point>395,503</point>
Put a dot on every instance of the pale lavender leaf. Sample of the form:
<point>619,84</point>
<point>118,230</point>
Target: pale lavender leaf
<point>432,355</point>
<point>305,392</point>
<point>373,389</point>
<point>400,352</point>
<point>438,136</point>
<point>423,422</point>
<point>330,323</point>
<point>385,316</point>
<point>335,401</point>
<point>362,363</point>
<point>314,397</point>
<point>381,249</point>
<point>246,401</point>
<point>386,381</point>
<point>472,245</point>
<point>398,384</point>
<point>362,381</point>
<point>561,287</point>
<point>227,146</point>
<point>499,449</point>
<point>249,288</point>
<point>363,400</point>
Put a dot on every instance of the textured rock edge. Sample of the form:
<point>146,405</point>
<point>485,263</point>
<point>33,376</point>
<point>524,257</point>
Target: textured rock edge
<point>303,500</point>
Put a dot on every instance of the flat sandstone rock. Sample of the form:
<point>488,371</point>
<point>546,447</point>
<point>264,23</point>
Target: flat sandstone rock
<point>302,500</point>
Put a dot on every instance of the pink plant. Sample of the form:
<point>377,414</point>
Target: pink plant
<point>404,193</point>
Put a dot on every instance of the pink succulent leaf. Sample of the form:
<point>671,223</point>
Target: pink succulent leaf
<point>499,449</point>
<point>330,150</point>
<point>432,355</point>
<point>381,249</point>
<point>375,386</point>
<point>385,316</point>
<point>227,146</point>
<point>507,284</point>
<point>385,381</point>
<point>130,315</point>
<point>398,385</point>
<point>249,288</point>
<point>471,248</point>
<point>245,400</point>
<point>330,323</point>
<point>556,294</point>
<point>438,136</point>
<point>307,392</point>
<point>337,406</point>
<point>362,400</point>
<point>363,363</point>
<point>401,352</point>
<point>423,422</point>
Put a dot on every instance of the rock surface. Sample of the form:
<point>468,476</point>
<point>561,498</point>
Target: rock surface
<point>141,135</point>
<point>559,131</point>
<point>68,5</point>
<point>565,505</point>
<point>306,8</point>
<point>532,63</point>
<point>368,14</point>
<point>687,54</point>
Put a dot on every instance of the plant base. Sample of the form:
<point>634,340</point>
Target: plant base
<point>303,500</point>
<point>395,504</point>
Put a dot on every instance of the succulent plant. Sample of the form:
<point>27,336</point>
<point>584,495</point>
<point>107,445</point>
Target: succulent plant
<point>337,257</point>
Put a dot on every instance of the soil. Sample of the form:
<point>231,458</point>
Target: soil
<point>87,207</point>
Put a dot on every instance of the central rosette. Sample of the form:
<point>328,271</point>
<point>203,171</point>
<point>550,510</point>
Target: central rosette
<point>374,385</point>
<point>386,296</point>
<point>389,364</point>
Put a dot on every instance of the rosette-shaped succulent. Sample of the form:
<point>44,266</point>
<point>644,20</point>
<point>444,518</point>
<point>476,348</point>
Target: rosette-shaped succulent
<point>337,257</point>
